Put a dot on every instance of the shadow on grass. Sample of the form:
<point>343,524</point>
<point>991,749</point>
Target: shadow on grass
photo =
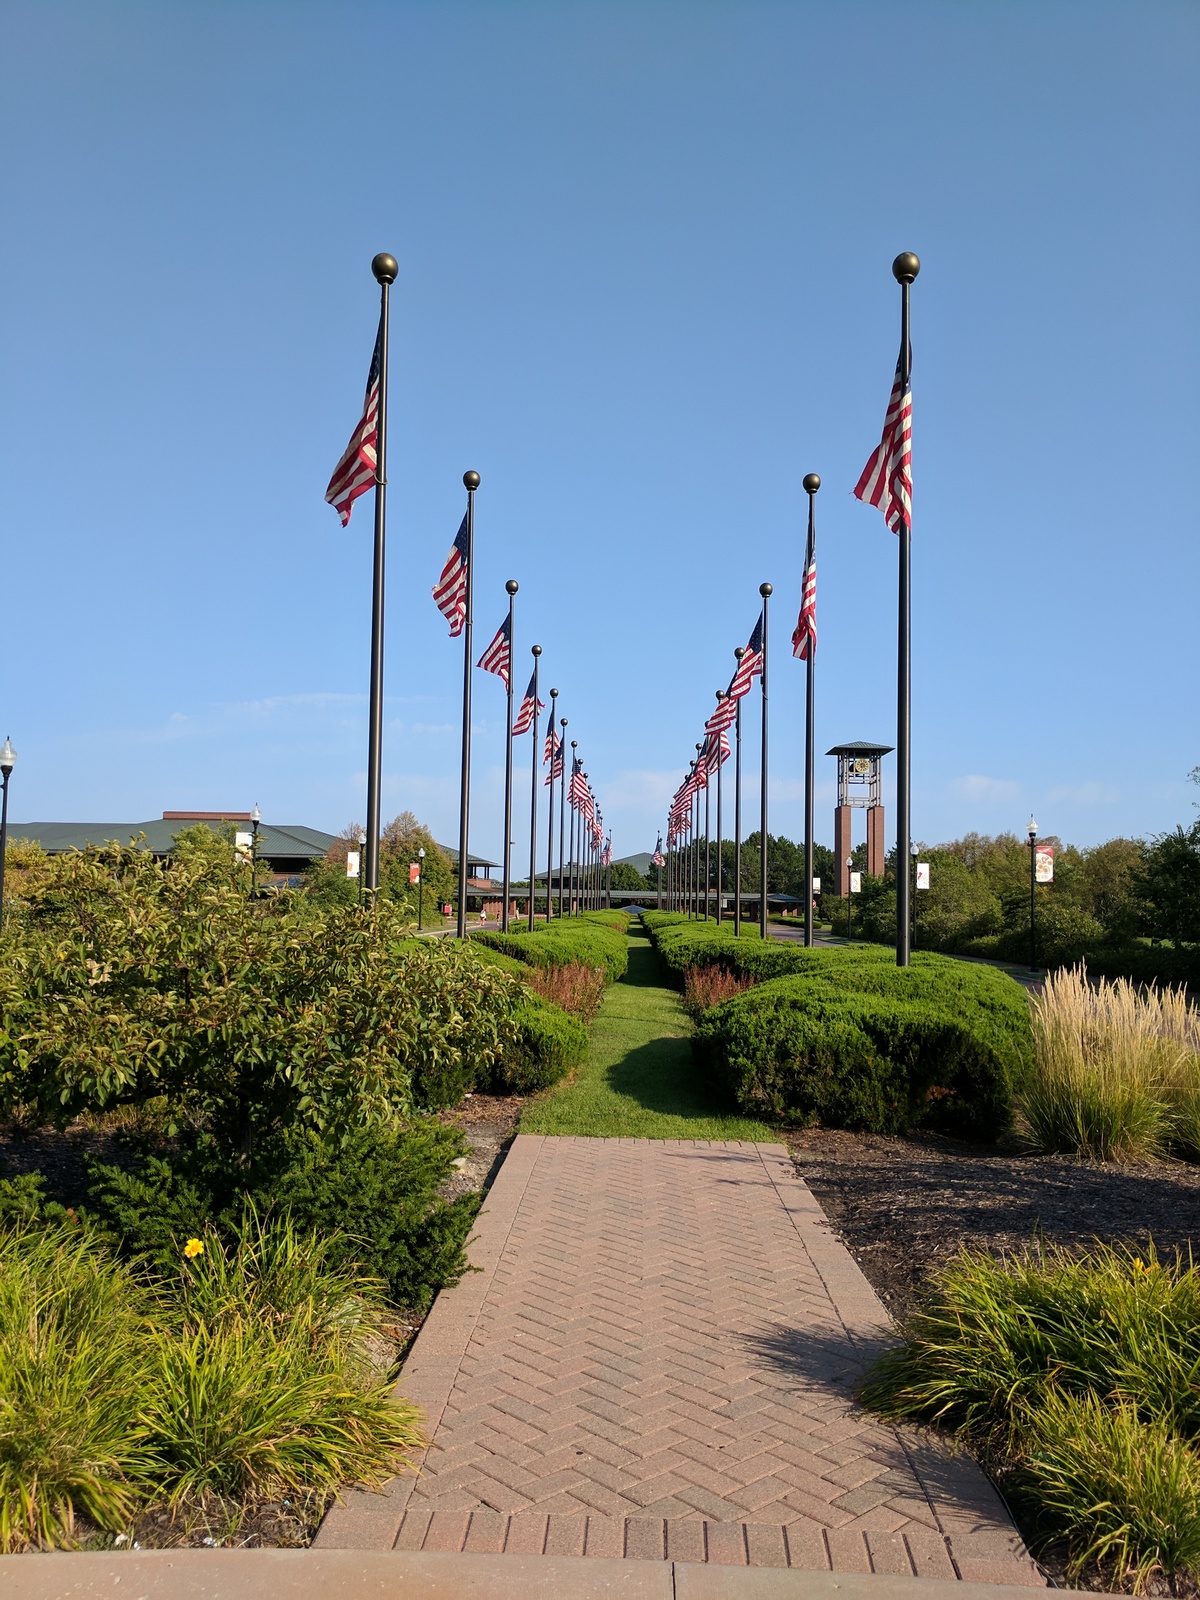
<point>663,1075</point>
<point>644,971</point>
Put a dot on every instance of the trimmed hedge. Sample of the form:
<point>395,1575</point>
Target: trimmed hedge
<point>550,1043</point>
<point>594,943</point>
<point>844,1036</point>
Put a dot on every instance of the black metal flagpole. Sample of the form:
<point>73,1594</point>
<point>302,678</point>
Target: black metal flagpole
<point>562,817</point>
<point>471,483</point>
<point>535,651</point>
<point>764,589</point>
<point>737,811</point>
<point>511,589</point>
<point>707,838</point>
<point>904,270</point>
<point>550,816</point>
<point>385,269</point>
<point>811,484</point>
<point>571,873</point>
<point>720,835</point>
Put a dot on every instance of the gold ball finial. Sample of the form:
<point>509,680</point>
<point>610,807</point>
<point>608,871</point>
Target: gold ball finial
<point>471,480</point>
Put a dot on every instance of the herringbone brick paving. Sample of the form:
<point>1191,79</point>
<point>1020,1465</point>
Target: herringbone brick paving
<point>656,1361</point>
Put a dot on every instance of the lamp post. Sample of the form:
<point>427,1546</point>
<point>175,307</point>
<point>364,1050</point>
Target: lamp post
<point>849,900</point>
<point>255,819</point>
<point>420,886</point>
<point>361,839</point>
<point>8,760</point>
<point>1032,895</point>
<point>913,851</point>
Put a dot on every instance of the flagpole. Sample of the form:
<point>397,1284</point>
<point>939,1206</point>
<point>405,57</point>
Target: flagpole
<point>812,483</point>
<point>764,589</point>
<point>550,816</point>
<point>720,836</point>
<point>562,814</point>
<point>535,651</point>
<point>904,269</point>
<point>385,270</point>
<point>737,813</point>
<point>470,483</point>
<point>707,840</point>
<point>510,589</point>
<point>571,873</point>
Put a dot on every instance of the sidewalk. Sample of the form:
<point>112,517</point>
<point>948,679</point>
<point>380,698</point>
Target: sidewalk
<point>655,1363</point>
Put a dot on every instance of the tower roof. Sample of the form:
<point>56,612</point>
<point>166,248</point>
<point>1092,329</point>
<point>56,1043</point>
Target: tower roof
<point>860,747</point>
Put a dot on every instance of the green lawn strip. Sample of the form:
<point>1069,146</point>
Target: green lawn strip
<point>640,1080</point>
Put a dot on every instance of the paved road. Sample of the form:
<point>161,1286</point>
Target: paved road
<point>656,1361</point>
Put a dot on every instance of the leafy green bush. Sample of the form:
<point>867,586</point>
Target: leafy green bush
<point>588,940</point>
<point>127,979</point>
<point>249,1370</point>
<point>375,1192</point>
<point>1076,1376</point>
<point>551,1043</point>
<point>851,1039</point>
<point>795,1050</point>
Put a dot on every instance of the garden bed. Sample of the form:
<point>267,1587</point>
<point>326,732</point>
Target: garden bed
<point>906,1205</point>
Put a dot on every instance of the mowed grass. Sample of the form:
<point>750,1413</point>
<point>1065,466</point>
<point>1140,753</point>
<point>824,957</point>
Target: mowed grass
<point>639,1080</point>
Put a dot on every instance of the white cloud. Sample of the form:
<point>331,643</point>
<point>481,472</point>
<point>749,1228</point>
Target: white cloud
<point>974,786</point>
<point>1090,793</point>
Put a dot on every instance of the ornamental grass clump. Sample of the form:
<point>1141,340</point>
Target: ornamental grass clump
<point>705,987</point>
<point>246,1371</point>
<point>575,987</point>
<point>1117,1070</point>
<point>1078,1379</point>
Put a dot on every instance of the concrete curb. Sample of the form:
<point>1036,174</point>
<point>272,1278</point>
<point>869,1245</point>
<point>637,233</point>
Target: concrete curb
<point>427,1575</point>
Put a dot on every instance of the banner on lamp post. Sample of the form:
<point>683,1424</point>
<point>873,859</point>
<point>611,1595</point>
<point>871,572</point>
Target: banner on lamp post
<point>1043,869</point>
<point>856,883</point>
<point>414,872</point>
<point>922,874</point>
<point>816,886</point>
<point>243,846</point>
<point>353,863</point>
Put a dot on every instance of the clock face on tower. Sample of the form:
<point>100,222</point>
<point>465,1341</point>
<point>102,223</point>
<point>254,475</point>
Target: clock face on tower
<point>860,767</point>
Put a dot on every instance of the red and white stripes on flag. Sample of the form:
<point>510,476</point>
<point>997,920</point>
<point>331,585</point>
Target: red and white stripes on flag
<point>886,482</point>
<point>355,472</point>
<point>748,667</point>
<point>716,751</point>
<point>497,657</point>
<point>450,591</point>
<point>553,744</point>
<point>804,637</point>
<point>524,718</point>
<point>556,770</point>
<point>723,717</point>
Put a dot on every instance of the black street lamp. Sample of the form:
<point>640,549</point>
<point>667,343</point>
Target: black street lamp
<point>914,850</point>
<point>255,819</point>
<point>1032,895</point>
<point>8,760</point>
<point>420,887</point>
<point>361,837</point>
<point>849,899</point>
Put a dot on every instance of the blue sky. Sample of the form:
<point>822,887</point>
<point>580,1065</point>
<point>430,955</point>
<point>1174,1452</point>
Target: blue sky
<point>644,287</point>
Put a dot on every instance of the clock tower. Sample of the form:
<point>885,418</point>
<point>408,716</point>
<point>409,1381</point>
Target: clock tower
<point>858,785</point>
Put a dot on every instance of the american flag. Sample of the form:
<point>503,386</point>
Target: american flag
<point>450,591</point>
<point>722,717</point>
<point>748,667</point>
<point>355,472</point>
<point>553,743</point>
<point>606,858</point>
<point>577,791</point>
<point>716,751</point>
<point>804,638</point>
<point>525,714</point>
<point>556,769</point>
<point>497,657</point>
<point>886,482</point>
<point>658,859</point>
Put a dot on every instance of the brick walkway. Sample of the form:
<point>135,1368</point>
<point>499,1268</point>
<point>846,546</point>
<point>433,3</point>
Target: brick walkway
<point>655,1362</point>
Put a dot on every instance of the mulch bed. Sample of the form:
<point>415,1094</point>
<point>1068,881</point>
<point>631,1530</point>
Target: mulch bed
<point>904,1206</point>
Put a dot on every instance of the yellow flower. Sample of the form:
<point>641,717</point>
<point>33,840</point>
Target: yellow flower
<point>193,1248</point>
